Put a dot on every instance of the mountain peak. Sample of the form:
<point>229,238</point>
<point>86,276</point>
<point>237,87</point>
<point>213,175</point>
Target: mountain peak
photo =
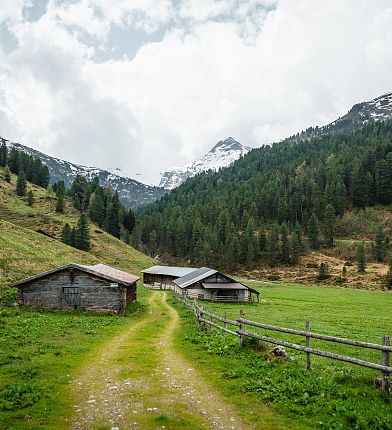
<point>224,153</point>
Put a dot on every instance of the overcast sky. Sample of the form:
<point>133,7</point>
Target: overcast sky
<point>143,85</point>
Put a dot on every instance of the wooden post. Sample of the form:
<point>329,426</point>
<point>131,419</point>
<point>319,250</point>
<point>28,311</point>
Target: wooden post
<point>211,319</point>
<point>224,324</point>
<point>201,316</point>
<point>307,344</point>
<point>241,328</point>
<point>386,361</point>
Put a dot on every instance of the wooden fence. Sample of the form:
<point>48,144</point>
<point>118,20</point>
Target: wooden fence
<point>238,328</point>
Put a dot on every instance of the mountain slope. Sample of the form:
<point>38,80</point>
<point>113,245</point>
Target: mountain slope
<point>24,251</point>
<point>223,154</point>
<point>361,114</point>
<point>132,193</point>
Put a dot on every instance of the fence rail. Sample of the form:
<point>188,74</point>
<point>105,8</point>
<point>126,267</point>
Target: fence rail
<point>207,318</point>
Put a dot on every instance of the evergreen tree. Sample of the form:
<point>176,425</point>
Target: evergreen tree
<point>344,272</point>
<point>361,257</point>
<point>380,244</point>
<point>30,198</point>
<point>13,161</point>
<point>323,271</point>
<point>21,184</point>
<point>44,178</point>
<point>113,218</point>
<point>3,154</point>
<point>80,192</point>
<point>296,247</point>
<point>96,209</point>
<point>313,232</point>
<point>284,244</point>
<point>273,246</point>
<point>82,233</point>
<point>329,225</point>
<point>262,238</point>
<point>7,174</point>
<point>60,200</point>
<point>66,235</point>
<point>129,220</point>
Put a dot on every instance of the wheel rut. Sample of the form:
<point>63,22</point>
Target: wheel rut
<point>138,381</point>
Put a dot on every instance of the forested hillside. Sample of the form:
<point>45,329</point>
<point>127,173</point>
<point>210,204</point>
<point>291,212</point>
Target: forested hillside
<point>274,203</point>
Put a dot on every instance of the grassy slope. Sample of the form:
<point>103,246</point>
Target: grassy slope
<point>25,252</point>
<point>333,395</point>
<point>40,349</point>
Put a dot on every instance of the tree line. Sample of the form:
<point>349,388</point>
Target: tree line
<point>240,214</point>
<point>17,162</point>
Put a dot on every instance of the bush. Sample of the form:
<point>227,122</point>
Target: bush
<point>273,277</point>
<point>323,271</point>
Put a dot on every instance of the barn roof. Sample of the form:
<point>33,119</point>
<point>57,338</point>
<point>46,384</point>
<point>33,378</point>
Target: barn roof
<point>195,276</point>
<point>100,270</point>
<point>169,271</point>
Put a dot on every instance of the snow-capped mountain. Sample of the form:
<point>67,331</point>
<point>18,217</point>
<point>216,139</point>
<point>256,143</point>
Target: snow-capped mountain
<point>378,109</point>
<point>132,193</point>
<point>224,153</point>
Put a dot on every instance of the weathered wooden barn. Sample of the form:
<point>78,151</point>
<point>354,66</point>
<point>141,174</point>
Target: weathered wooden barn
<point>73,286</point>
<point>162,277</point>
<point>209,284</point>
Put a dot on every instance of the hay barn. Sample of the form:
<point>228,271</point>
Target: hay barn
<point>73,286</point>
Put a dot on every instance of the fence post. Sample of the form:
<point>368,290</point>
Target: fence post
<point>386,361</point>
<point>241,328</point>
<point>224,324</point>
<point>307,344</point>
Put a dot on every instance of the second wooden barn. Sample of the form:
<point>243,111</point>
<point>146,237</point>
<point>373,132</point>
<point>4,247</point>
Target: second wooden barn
<point>209,284</point>
<point>73,286</point>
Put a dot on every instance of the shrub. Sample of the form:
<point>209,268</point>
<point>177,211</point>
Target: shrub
<point>8,296</point>
<point>323,271</point>
<point>17,396</point>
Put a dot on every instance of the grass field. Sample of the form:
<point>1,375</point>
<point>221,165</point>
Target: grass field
<point>332,395</point>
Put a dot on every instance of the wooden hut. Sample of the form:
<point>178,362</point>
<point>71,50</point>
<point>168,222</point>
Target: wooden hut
<point>75,286</point>
<point>162,277</point>
<point>209,284</point>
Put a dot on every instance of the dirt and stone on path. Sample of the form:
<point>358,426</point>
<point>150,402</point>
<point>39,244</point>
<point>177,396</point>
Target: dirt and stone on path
<point>138,381</point>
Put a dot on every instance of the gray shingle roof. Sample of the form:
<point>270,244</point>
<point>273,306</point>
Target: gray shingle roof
<point>195,276</point>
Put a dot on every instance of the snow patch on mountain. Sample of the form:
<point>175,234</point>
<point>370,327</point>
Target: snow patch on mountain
<point>223,154</point>
<point>131,192</point>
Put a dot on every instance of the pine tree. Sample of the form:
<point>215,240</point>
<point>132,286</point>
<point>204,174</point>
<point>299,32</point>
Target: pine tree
<point>323,271</point>
<point>329,225</point>
<point>284,244</point>
<point>361,257</point>
<point>21,184</point>
<point>262,238</point>
<point>30,198</point>
<point>388,278</point>
<point>3,154</point>
<point>60,200</point>
<point>344,272</point>
<point>66,235</point>
<point>96,209</point>
<point>296,247</point>
<point>380,244</point>
<point>13,161</point>
<point>113,217</point>
<point>313,231</point>
<point>273,245</point>
<point>7,174</point>
<point>129,220</point>
<point>44,178</point>
<point>82,233</point>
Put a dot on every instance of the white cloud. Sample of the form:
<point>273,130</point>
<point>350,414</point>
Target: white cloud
<point>239,68</point>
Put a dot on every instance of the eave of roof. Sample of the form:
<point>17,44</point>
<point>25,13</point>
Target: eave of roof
<point>99,270</point>
<point>196,276</point>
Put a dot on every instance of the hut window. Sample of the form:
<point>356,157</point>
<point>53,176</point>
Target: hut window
<point>72,276</point>
<point>114,285</point>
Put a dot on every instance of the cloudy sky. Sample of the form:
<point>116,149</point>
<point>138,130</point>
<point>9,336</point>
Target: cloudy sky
<point>143,85</point>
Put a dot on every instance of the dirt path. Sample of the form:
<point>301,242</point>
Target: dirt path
<point>138,381</point>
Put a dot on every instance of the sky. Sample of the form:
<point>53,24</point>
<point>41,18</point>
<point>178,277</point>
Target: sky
<point>144,85</point>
